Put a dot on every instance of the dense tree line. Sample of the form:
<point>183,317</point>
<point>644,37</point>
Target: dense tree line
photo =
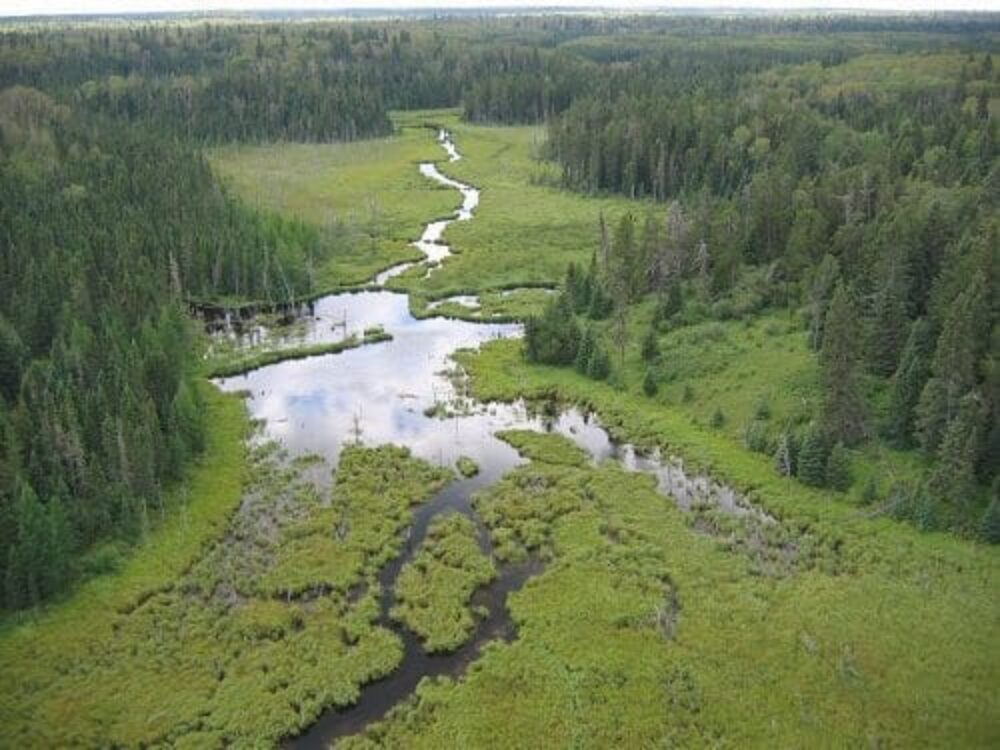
<point>99,255</point>
<point>875,214</point>
<point>336,81</point>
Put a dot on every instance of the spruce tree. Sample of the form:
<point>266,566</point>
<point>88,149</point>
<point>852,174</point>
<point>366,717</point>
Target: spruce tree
<point>909,381</point>
<point>672,301</point>
<point>953,370</point>
<point>843,414</point>
<point>783,462</point>
<point>25,582</point>
<point>889,323</point>
<point>584,351</point>
<point>649,384</point>
<point>989,525</point>
<point>13,355</point>
<point>954,478</point>
<point>838,468</point>
<point>812,459</point>
<point>650,346</point>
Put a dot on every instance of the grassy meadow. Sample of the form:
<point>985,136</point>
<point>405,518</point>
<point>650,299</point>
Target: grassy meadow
<point>526,229</point>
<point>368,190</point>
<point>238,623</point>
<point>651,625</point>
<point>525,232</point>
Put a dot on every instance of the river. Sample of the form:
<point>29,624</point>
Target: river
<point>395,392</point>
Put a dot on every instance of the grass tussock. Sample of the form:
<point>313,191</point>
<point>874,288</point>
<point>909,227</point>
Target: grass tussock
<point>240,362</point>
<point>434,589</point>
<point>224,629</point>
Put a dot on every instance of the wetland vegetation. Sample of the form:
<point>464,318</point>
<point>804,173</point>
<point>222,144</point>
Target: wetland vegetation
<point>564,380</point>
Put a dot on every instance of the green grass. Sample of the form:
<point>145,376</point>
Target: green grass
<point>434,589</point>
<point>524,232</point>
<point>225,629</point>
<point>645,632</point>
<point>38,647</point>
<point>244,360</point>
<point>370,191</point>
<point>537,446</point>
<point>466,466</point>
<point>348,540</point>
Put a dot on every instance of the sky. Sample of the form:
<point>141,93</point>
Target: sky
<point>57,7</point>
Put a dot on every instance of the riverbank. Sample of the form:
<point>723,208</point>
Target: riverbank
<point>243,361</point>
<point>817,652</point>
<point>37,645</point>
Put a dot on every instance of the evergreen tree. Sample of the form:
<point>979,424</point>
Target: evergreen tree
<point>650,346</point>
<point>601,303</point>
<point>954,478</point>
<point>889,323</point>
<point>843,415</point>
<point>783,462</point>
<point>838,468</point>
<point>577,287</point>
<point>813,459</point>
<point>953,370</point>
<point>27,576</point>
<point>13,354</point>
<point>649,384</point>
<point>671,302</point>
<point>909,381</point>
<point>553,337</point>
<point>585,351</point>
<point>989,525</point>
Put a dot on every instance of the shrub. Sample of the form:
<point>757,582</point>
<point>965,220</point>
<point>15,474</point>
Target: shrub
<point>763,409</point>
<point>869,495</point>
<point>755,437</point>
<point>718,418</point>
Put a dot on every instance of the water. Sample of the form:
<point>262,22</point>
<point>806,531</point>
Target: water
<point>390,392</point>
<point>430,243</point>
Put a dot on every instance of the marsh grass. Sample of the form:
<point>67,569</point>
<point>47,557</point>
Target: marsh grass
<point>814,622</point>
<point>238,362</point>
<point>433,590</point>
<point>367,196</point>
<point>226,628</point>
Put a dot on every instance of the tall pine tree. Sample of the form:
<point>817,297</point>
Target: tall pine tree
<point>843,414</point>
<point>953,370</point>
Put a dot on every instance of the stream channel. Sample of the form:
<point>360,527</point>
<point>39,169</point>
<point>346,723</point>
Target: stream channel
<point>385,393</point>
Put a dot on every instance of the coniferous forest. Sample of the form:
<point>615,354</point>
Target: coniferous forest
<point>766,246</point>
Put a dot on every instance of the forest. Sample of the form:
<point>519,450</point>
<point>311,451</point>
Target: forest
<point>767,245</point>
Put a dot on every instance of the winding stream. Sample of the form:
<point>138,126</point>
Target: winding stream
<point>385,393</point>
